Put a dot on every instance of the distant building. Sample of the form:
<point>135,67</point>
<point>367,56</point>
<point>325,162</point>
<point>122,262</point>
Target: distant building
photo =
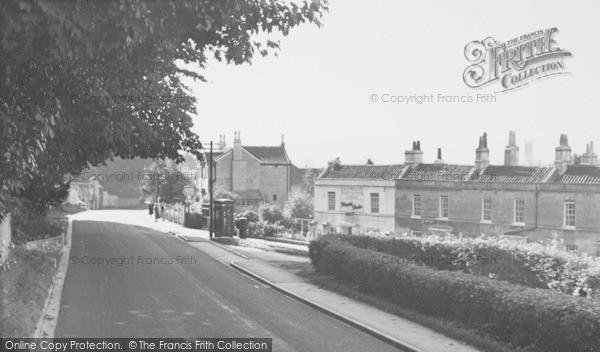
<point>88,192</point>
<point>529,161</point>
<point>300,175</point>
<point>255,173</point>
<point>522,202</point>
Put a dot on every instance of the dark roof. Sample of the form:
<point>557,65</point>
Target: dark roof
<point>513,174</point>
<point>372,172</point>
<point>580,174</point>
<point>269,155</point>
<point>254,194</point>
<point>438,172</point>
<point>297,174</point>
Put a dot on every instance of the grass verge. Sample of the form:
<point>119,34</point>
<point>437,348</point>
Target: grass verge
<point>24,289</point>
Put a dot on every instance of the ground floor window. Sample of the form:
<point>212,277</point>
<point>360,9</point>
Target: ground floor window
<point>572,248</point>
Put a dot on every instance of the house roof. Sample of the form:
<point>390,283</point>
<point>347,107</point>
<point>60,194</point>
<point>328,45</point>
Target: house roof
<point>253,194</point>
<point>266,155</point>
<point>269,155</point>
<point>371,172</point>
<point>297,174</point>
<point>580,174</point>
<point>514,174</point>
<point>455,172</point>
<point>438,172</point>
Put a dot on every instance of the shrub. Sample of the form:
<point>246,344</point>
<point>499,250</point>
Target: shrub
<point>270,213</point>
<point>535,319</point>
<point>37,228</point>
<point>530,264</point>
<point>252,216</point>
<point>262,228</point>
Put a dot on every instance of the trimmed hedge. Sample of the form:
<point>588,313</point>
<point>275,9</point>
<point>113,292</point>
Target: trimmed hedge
<point>536,319</point>
<point>531,264</point>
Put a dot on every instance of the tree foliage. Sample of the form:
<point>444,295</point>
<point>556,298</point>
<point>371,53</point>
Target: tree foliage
<point>299,205</point>
<point>221,193</point>
<point>82,81</point>
<point>170,180</point>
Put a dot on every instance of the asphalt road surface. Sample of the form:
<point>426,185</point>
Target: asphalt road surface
<point>151,284</point>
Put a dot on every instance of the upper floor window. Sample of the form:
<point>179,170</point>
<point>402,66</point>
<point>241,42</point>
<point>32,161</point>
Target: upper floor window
<point>374,202</point>
<point>416,205</point>
<point>519,210</point>
<point>331,200</point>
<point>570,214</point>
<point>487,209</point>
<point>444,207</point>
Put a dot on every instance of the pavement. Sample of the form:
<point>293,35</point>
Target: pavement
<point>397,331</point>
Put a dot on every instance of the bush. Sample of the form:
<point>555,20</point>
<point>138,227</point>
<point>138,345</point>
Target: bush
<point>531,264</point>
<point>252,216</point>
<point>262,228</point>
<point>270,213</point>
<point>536,319</point>
<point>37,228</point>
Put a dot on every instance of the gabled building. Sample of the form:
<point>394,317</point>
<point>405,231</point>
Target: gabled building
<point>255,173</point>
<point>522,202</point>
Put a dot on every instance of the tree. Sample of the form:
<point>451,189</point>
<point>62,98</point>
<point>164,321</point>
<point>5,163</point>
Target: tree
<point>220,192</point>
<point>308,182</point>
<point>171,181</point>
<point>83,81</point>
<point>270,213</point>
<point>299,205</point>
<point>120,177</point>
<point>576,159</point>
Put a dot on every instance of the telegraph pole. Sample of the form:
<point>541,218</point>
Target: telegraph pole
<point>156,181</point>
<point>210,191</point>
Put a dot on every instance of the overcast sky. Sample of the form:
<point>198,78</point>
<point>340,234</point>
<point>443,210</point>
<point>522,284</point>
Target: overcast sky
<point>318,91</point>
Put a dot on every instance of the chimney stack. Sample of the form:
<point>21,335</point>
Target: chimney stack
<point>439,159</point>
<point>563,154</point>
<point>589,157</point>
<point>222,143</point>
<point>482,154</point>
<point>237,146</point>
<point>511,153</point>
<point>529,154</point>
<point>414,156</point>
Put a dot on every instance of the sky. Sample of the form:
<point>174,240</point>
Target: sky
<point>318,91</point>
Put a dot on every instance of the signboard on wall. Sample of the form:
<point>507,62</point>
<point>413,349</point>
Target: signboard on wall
<point>352,199</point>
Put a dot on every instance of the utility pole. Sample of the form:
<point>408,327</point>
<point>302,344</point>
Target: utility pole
<point>210,191</point>
<point>156,181</point>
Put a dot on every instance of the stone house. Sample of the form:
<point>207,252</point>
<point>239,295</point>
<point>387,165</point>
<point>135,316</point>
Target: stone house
<point>255,173</point>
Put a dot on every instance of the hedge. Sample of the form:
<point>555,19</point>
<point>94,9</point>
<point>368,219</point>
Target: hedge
<point>531,264</point>
<point>536,319</point>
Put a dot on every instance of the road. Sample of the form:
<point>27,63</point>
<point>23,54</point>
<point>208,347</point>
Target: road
<point>189,294</point>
